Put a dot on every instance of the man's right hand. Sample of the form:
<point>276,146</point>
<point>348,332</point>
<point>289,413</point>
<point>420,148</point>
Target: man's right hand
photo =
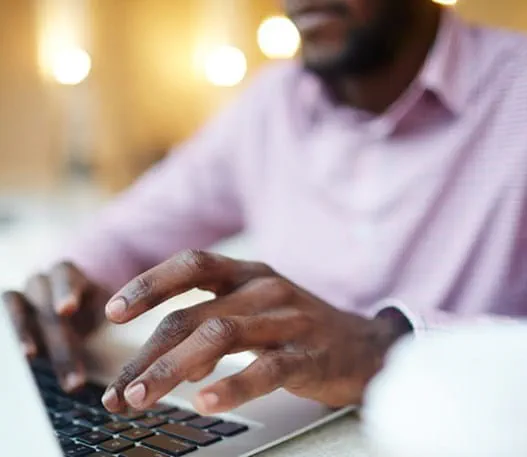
<point>54,314</point>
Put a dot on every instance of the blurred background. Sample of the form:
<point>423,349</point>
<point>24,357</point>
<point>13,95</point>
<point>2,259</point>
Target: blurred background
<point>93,92</point>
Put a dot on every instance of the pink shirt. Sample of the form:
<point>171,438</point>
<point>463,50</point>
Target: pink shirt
<point>426,203</point>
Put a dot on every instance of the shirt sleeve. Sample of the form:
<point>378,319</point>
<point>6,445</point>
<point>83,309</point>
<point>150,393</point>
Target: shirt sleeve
<point>432,320</point>
<point>188,201</point>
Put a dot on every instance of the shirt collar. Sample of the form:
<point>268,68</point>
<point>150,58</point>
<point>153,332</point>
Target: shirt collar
<point>441,74</point>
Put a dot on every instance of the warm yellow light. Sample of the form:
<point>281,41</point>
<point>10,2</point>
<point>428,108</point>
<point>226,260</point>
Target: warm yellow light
<point>70,66</point>
<point>446,2</point>
<point>278,38</point>
<point>225,66</point>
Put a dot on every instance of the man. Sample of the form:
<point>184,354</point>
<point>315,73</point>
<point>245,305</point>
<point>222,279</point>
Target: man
<point>389,162</point>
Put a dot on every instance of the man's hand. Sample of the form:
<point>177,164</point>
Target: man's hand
<point>53,315</point>
<point>304,345</point>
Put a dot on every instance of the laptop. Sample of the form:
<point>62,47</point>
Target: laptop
<point>39,420</point>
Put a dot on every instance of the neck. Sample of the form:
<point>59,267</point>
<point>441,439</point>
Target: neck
<point>375,92</point>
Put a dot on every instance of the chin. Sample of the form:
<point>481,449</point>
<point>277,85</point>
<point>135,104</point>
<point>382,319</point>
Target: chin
<point>323,61</point>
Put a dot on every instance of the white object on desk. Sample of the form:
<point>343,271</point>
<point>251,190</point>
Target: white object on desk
<point>456,394</point>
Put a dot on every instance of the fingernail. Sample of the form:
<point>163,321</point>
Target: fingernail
<point>206,402</point>
<point>135,395</point>
<point>110,400</point>
<point>73,381</point>
<point>67,305</point>
<point>116,308</point>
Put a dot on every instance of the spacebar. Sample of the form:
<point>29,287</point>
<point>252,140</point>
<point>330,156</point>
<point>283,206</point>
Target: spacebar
<point>189,434</point>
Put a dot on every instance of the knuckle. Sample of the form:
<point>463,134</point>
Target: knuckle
<point>197,260</point>
<point>263,269</point>
<point>274,367</point>
<point>40,278</point>
<point>278,288</point>
<point>237,387</point>
<point>58,268</point>
<point>306,323</point>
<point>67,265</point>
<point>218,329</point>
<point>142,287</point>
<point>36,281</point>
<point>162,369</point>
<point>128,373</point>
<point>174,324</point>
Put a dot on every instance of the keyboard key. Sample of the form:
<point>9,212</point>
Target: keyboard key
<point>144,452</point>
<point>100,454</point>
<point>87,397</point>
<point>160,408</point>
<point>151,422</point>
<point>193,435</point>
<point>59,422</point>
<point>181,415</point>
<point>116,427</point>
<point>63,441</point>
<point>94,438</point>
<point>228,429</point>
<point>136,434</point>
<point>49,401</point>
<point>74,430</point>
<point>116,445</point>
<point>62,407</point>
<point>75,414</point>
<point>204,422</point>
<point>77,450</point>
<point>171,446</point>
<point>94,420</point>
<point>132,415</point>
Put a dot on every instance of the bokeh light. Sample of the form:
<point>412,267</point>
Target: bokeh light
<point>225,66</point>
<point>70,66</point>
<point>278,38</point>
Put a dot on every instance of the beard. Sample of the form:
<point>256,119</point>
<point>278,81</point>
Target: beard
<point>370,47</point>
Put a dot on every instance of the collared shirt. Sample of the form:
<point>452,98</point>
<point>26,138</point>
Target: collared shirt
<point>426,202</point>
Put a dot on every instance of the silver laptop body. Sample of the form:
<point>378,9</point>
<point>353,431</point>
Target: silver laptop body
<point>25,429</point>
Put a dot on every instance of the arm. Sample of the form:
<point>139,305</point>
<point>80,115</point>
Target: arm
<point>190,200</point>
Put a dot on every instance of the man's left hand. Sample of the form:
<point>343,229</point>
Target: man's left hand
<point>303,344</point>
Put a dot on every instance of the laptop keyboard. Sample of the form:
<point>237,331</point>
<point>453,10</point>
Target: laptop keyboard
<point>85,429</point>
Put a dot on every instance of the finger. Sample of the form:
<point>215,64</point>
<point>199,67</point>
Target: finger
<point>67,286</point>
<point>59,338</point>
<point>252,298</point>
<point>172,330</point>
<point>268,373</point>
<point>181,273</point>
<point>22,319</point>
<point>202,372</point>
<point>211,341</point>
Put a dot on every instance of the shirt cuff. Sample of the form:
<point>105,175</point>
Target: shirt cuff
<point>434,320</point>
<point>393,308</point>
